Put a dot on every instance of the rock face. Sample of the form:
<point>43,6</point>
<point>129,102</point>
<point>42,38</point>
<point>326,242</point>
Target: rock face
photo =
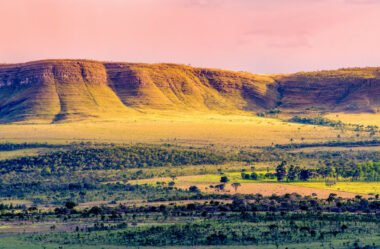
<point>68,90</point>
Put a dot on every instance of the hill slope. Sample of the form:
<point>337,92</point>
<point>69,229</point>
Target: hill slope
<point>347,90</point>
<point>69,90</point>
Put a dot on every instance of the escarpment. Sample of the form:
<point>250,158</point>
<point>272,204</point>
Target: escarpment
<point>70,90</point>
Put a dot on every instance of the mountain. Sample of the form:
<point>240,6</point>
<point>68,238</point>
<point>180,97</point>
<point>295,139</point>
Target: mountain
<point>69,90</point>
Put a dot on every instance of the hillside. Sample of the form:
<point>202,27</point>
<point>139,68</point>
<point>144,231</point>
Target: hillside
<point>352,90</point>
<point>68,90</point>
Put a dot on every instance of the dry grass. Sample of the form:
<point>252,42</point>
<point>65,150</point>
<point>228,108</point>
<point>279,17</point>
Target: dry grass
<point>24,152</point>
<point>359,118</point>
<point>189,129</point>
<point>16,202</point>
<point>349,149</point>
<point>353,187</point>
<point>203,182</point>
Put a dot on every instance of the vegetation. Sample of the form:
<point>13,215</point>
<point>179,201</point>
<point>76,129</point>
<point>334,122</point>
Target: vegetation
<point>194,179</point>
<point>115,157</point>
<point>84,194</point>
<point>372,129</point>
<point>255,220</point>
<point>361,143</point>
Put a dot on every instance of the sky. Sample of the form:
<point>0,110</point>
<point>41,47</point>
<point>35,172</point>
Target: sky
<point>258,36</point>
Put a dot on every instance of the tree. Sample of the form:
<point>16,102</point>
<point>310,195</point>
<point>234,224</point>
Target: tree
<point>304,174</point>
<point>245,176</point>
<point>219,187</point>
<point>224,179</point>
<point>281,171</point>
<point>171,184</point>
<point>331,197</point>
<point>70,205</point>
<point>293,173</point>
<point>194,189</point>
<point>236,185</point>
<point>254,176</point>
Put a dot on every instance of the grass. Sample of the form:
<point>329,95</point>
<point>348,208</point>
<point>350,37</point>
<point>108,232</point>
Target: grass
<point>267,188</point>
<point>353,187</point>
<point>204,178</point>
<point>15,202</point>
<point>323,148</point>
<point>356,118</point>
<point>17,243</point>
<point>24,152</point>
<point>232,176</point>
<point>187,129</point>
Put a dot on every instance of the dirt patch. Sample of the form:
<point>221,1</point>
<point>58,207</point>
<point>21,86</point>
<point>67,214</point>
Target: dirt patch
<point>268,189</point>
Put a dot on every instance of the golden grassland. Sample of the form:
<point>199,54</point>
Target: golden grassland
<point>353,187</point>
<point>203,182</point>
<point>346,149</point>
<point>184,129</point>
<point>15,202</point>
<point>23,152</point>
<point>358,118</point>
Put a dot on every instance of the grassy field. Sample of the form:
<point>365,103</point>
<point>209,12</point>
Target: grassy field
<point>195,130</point>
<point>24,152</point>
<point>359,118</point>
<point>223,133</point>
<point>267,188</point>
<point>17,243</point>
<point>353,187</point>
<point>349,149</point>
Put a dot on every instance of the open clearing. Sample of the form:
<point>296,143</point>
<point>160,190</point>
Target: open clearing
<point>354,187</point>
<point>23,152</point>
<point>203,182</point>
<point>359,118</point>
<point>325,148</point>
<point>195,130</point>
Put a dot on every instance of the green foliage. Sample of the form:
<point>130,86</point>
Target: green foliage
<point>7,146</point>
<point>258,222</point>
<point>281,171</point>
<point>317,121</point>
<point>224,179</point>
<point>254,176</point>
<point>109,157</point>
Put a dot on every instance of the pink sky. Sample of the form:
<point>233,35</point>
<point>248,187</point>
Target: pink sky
<point>259,36</point>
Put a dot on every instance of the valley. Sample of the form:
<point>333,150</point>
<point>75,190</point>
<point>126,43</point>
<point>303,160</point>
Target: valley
<point>104,155</point>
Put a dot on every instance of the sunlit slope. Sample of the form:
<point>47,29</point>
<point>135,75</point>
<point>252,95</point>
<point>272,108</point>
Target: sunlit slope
<point>70,90</point>
<point>179,87</point>
<point>51,91</point>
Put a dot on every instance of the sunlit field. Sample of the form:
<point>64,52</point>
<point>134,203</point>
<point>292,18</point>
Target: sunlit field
<point>360,118</point>
<point>195,130</point>
<point>353,187</point>
<point>266,188</point>
<point>25,152</point>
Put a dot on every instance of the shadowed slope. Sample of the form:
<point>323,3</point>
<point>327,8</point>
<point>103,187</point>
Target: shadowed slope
<point>348,90</point>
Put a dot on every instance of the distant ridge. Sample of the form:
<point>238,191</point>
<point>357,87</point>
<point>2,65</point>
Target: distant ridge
<point>68,90</point>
